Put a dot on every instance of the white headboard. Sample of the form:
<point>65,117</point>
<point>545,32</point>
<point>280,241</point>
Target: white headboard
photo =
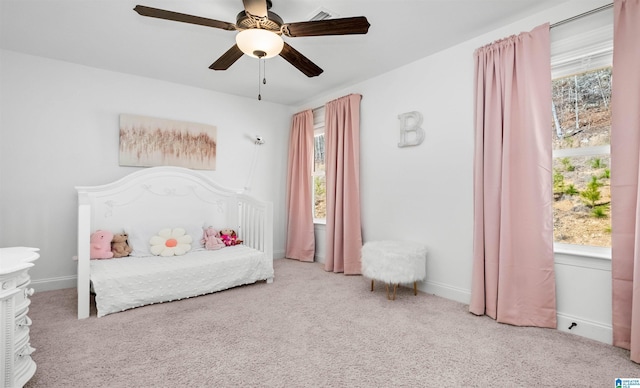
<point>170,196</point>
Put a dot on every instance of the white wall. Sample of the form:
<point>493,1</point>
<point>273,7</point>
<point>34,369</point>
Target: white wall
<point>59,129</point>
<point>425,193</point>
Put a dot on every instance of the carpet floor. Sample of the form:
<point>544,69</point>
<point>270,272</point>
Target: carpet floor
<point>309,328</point>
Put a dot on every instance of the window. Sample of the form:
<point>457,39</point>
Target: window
<point>318,173</point>
<point>581,88</point>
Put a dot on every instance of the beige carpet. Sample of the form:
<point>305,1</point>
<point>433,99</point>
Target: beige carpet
<point>309,328</point>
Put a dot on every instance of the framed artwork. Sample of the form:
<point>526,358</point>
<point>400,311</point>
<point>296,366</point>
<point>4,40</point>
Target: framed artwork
<point>149,141</point>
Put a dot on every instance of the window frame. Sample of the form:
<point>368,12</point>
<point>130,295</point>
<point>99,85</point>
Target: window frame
<point>318,129</point>
<point>574,52</point>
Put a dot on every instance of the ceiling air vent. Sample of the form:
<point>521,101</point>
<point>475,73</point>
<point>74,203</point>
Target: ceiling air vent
<point>322,14</point>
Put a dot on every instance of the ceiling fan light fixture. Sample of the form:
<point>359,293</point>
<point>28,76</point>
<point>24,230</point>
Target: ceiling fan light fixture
<point>259,43</point>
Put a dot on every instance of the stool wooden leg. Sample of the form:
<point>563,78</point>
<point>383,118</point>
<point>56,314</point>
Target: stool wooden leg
<point>395,286</point>
<point>415,289</point>
<point>371,285</point>
<point>387,287</point>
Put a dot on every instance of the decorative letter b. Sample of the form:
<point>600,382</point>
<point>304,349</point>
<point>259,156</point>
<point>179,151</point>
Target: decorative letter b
<point>410,122</point>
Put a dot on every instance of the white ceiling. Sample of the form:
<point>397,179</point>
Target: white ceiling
<point>108,34</point>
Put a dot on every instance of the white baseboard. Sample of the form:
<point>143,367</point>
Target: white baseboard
<point>585,328</point>
<point>319,259</point>
<point>54,283</point>
<point>446,291</point>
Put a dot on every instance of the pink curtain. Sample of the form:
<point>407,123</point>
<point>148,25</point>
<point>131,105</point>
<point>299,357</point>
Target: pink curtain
<point>342,144</point>
<point>625,169</point>
<point>300,234</point>
<point>513,278</point>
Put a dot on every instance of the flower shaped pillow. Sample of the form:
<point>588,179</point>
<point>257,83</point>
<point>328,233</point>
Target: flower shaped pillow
<point>170,242</point>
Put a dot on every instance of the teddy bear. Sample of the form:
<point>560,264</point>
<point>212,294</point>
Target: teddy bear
<point>100,244</point>
<point>229,237</point>
<point>120,246</point>
<point>211,239</point>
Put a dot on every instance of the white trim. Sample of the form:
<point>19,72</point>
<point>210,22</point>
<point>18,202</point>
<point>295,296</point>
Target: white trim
<point>583,251</point>
<point>581,151</point>
<point>596,331</point>
<point>445,291</point>
<point>50,284</point>
<point>592,263</point>
<point>318,116</point>
<point>585,328</point>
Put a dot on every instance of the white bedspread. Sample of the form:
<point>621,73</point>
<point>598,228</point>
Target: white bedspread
<point>130,282</point>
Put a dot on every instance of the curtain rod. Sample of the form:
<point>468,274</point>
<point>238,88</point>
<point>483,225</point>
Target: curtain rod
<point>596,10</point>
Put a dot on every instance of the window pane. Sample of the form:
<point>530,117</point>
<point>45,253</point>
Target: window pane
<point>319,196</point>
<point>582,199</point>
<point>318,153</point>
<point>581,109</point>
<point>319,191</point>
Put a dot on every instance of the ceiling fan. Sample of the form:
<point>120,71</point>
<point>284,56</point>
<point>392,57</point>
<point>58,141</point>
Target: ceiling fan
<point>260,33</point>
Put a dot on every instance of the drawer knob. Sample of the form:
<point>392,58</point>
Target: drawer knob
<point>25,322</point>
<point>29,292</point>
<point>26,351</point>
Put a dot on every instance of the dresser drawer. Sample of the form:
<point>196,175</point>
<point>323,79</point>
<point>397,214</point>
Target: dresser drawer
<point>24,369</point>
<point>23,324</point>
<point>23,365</point>
<point>22,298</point>
<point>23,278</point>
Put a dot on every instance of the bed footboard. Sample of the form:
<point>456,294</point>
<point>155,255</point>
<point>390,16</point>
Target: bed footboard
<point>256,224</point>
<point>84,234</point>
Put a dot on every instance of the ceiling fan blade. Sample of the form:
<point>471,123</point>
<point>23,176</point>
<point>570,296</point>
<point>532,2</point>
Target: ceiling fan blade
<point>256,7</point>
<point>227,59</point>
<point>299,61</point>
<point>181,17</point>
<point>342,26</point>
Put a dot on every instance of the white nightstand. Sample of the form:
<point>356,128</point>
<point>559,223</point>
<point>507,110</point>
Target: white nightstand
<point>17,366</point>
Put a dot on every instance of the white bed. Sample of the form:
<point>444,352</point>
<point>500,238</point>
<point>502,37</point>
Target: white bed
<point>151,199</point>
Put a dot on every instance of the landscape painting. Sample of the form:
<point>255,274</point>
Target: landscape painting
<point>149,141</point>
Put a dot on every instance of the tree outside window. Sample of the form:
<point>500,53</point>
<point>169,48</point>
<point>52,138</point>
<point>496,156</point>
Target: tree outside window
<point>581,130</point>
<point>319,181</point>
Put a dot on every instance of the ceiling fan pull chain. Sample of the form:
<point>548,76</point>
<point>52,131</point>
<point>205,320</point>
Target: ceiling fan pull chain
<point>264,72</point>
<point>259,94</point>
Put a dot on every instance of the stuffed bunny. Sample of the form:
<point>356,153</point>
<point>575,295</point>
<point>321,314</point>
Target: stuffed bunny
<point>211,239</point>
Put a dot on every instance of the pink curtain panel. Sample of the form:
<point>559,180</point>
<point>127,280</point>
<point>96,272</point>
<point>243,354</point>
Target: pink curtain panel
<point>625,168</point>
<point>342,143</point>
<point>513,277</point>
<point>300,234</point>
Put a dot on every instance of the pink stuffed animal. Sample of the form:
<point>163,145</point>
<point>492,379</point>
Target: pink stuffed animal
<point>101,245</point>
<point>211,239</point>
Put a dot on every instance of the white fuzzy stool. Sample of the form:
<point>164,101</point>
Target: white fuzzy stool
<point>394,262</point>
